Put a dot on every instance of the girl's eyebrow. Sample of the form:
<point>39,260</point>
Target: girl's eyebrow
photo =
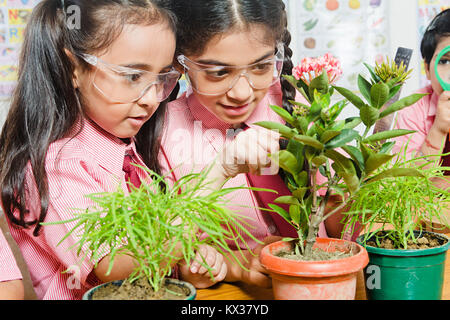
<point>219,63</point>
<point>143,66</point>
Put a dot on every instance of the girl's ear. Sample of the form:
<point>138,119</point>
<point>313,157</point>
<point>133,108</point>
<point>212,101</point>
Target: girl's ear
<point>427,70</point>
<point>178,66</point>
<point>77,69</point>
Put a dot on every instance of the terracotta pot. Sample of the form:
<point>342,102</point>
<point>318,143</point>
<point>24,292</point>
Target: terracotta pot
<point>315,280</point>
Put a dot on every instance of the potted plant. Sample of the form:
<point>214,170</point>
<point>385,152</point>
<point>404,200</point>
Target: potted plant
<point>158,224</point>
<point>326,162</point>
<point>406,262</point>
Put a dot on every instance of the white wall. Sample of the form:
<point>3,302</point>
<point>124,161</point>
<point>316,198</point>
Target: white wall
<point>404,33</point>
<point>4,105</point>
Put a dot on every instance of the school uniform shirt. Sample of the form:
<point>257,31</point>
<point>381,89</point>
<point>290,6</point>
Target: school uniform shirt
<point>8,266</point>
<point>419,117</point>
<point>193,137</point>
<point>89,162</point>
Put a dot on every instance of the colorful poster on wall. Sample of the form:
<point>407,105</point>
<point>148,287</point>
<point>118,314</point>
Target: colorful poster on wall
<point>427,10</point>
<point>354,31</point>
<point>13,17</point>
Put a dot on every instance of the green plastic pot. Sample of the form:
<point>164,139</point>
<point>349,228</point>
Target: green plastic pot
<point>88,294</point>
<point>395,274</point>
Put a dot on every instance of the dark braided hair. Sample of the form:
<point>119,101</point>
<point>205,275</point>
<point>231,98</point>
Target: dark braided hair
<point>287,89</point>
<point>201,20</point>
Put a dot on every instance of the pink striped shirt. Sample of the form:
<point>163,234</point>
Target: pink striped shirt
<point>8,266</point>
<point>419,117</point>
<point>90,162</point>
<point>192,138</point>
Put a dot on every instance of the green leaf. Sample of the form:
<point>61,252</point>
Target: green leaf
<point>328,135</point>
<point>350,96</point>
<point>364,87</point>
<point>394,91</point>
<point>302,178</point>
<point>356,155</point>
<point>294,212</point>
<point>351,181</point>
<point>283,213</point>
<point>285,131</point>
<point>287,200</point>
<point>314,111</point>
<point>319,160</point>
<point>387,147</point>
<point>342,161</point>
<point>308,141</point>
<point>352,123</point>
<point>369,115</point>
<point>402,103</point>
<point>299,85</point>
<point>283,114</point>
<point>375,161</point>
<point>320,83</point>
<point>296,148</point>
<point>337,108</point>
<point>300,192</point>
<point>396,172</point>
<point>375,78</point>
<point>346,136</point>
<point>365,151</point>
<point>384,135</point>
<point>379,94</point>
<point>288,162</point>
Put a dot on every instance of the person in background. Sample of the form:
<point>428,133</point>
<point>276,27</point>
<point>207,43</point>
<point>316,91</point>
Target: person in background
<point>90,100</point>
<point>430,116</point>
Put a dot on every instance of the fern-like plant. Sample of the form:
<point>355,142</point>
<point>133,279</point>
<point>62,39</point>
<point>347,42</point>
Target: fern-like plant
<point>158,224</point>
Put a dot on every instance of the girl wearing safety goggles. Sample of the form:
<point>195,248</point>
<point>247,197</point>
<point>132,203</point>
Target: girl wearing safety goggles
<point>233,54</point>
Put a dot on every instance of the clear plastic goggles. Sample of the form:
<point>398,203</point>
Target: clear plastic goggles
<point>126,85</point>
<point>216,80</point>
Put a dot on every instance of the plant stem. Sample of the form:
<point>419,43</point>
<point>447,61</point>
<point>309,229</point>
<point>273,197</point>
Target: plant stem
<point>366,132</point>
<point>313,229</point>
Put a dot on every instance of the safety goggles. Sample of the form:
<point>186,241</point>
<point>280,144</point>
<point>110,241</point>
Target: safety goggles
<point>216,80</point>
<point>126,85</point>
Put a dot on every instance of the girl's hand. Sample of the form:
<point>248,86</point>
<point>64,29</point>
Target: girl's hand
<point>256,274</point>
<point>442,120</point>
<point>249,152</point>
<point>198,275</point>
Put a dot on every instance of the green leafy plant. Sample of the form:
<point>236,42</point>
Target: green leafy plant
<point>395,207</point>
<point>320,142</point>
<point>159,224</point>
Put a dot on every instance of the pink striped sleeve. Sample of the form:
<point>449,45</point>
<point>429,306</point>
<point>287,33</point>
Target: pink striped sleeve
<point>69,183</point>
<point>8,266</point>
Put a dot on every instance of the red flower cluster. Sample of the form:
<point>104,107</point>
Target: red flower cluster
<point>310,68</point>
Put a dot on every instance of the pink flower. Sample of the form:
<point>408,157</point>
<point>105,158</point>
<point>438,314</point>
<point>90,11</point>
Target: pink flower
<point>310,68</point>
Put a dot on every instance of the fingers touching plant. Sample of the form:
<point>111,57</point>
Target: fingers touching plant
<point>321,146</point>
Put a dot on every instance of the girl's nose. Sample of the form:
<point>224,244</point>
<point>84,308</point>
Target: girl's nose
<point>241,90</point>
<point>150,98</point>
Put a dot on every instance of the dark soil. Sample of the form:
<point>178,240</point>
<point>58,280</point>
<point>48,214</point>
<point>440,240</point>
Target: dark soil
<point>425,241</point>
<point>140,290</point>
<point>318,254</point>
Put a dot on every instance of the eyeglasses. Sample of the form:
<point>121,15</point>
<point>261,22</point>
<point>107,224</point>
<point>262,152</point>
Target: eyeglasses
<point>126,85</point>
<point>216,80</point>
